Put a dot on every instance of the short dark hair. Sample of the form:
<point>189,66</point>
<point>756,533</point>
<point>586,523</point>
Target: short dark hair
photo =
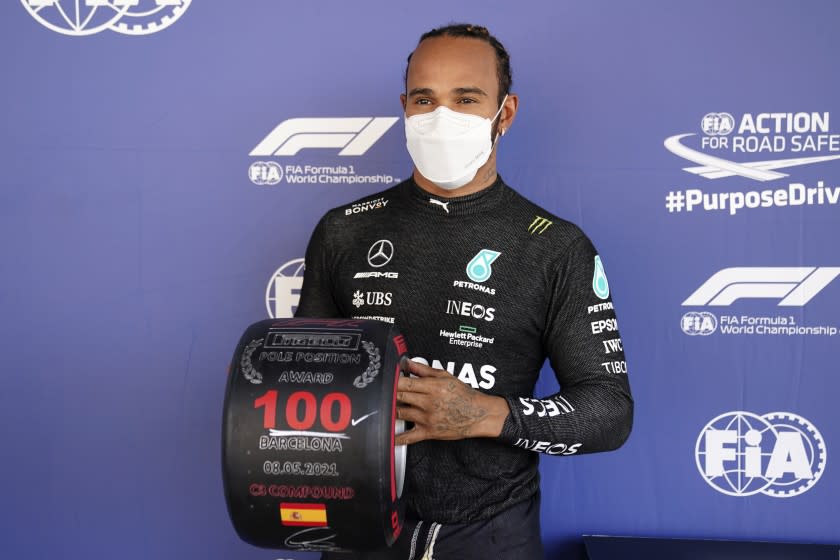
<point>503,70</point>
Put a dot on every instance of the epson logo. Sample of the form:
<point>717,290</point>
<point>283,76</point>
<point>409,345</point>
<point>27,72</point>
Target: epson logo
<point>794,286</point>
<point>467,309</point>
<point>700,323</point>
<point>355,135</point>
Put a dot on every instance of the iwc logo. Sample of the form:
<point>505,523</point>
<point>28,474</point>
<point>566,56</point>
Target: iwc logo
<point>88,17</point>
<point>777,454</point>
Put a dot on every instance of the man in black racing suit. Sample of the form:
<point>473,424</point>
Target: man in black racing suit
<point>484,285</point>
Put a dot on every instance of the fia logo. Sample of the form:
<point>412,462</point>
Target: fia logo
<point>265,173</point>
<point>479,268</point>
<point>88,17</point>
<point>717,124</point>
<point>700,323</point>
<point>777,454</point>
<point>282,294</point>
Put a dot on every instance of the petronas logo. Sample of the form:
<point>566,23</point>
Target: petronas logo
<point>479,268</point>
<point>599,280</point>
<point>539,225</point>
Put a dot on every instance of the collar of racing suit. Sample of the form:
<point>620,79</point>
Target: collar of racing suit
<point>485,199</point>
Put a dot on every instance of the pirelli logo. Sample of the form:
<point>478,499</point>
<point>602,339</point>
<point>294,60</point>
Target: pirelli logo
<point>313,340</point>
<point>539,225</point>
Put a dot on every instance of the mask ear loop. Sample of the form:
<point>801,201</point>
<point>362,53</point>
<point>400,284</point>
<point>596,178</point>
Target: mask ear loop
<point>502,131</point>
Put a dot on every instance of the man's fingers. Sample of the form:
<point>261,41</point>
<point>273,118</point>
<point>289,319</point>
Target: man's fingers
<point>415,434</point>
<point>419,400</point>
<point>413,385</point>
<point>422,370</point>
<point>410,414</point>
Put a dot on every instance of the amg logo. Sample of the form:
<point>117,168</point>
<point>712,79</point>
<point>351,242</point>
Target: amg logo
<point>314,340</point>
<point>375,274</point>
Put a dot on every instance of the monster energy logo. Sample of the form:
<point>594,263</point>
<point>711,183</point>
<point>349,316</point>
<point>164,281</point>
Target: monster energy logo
<point>539,225</point>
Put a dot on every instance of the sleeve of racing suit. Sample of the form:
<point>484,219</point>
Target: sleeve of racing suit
<point>316,295</point>
<point>593,411</point>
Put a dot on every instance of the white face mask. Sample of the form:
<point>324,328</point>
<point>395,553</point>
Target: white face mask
<point>448,147</point>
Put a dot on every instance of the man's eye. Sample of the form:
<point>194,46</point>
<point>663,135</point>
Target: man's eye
<point>466,100</point>
<point>423,101</point>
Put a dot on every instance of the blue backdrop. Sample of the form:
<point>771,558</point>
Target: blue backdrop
<point>148,214</point>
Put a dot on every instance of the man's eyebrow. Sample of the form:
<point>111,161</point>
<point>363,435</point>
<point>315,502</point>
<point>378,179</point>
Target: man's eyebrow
<point>465,90</point>
<point>421,91</point>
<point>457,91</point>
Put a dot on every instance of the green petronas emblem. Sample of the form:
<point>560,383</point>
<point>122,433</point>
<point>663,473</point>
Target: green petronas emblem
<point>599,280</point>
<point>479,268</point>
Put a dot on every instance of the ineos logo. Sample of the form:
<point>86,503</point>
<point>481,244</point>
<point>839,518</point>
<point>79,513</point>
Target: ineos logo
<point>380,253</point>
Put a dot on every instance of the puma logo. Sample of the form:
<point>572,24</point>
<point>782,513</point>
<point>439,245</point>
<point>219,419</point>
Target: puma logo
<point>439,203</point>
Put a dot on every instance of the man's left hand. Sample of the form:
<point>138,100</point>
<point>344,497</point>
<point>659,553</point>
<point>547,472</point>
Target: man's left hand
<point>442,407</point>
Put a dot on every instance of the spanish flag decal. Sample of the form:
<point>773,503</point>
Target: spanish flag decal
<point>303,515</point>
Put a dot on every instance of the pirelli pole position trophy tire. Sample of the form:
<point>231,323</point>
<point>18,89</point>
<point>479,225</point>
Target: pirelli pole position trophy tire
<point>308,455</point>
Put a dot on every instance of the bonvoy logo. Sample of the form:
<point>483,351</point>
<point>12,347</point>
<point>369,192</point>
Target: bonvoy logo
<point>88,17</point>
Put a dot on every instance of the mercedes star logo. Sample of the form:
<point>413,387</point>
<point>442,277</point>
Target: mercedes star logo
<point>380,253</point>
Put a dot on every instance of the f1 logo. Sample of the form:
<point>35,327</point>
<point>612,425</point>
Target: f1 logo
<point>795,286</point>
<point>355,135</point>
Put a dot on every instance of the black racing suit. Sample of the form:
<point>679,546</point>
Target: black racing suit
<point>485,286</point>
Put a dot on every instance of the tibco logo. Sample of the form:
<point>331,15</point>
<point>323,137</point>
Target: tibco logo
<point>355,135</point>
<point>777,454</point>
<point>282,294</point>
<point>127,17</point>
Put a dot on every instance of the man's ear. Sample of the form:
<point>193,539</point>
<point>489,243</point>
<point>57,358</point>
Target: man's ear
<point>402,101</point>
<point>508,114</point>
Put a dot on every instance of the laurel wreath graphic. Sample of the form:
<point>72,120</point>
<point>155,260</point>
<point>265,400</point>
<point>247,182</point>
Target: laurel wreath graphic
<point>248,371</point>
<point>367,377</point>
